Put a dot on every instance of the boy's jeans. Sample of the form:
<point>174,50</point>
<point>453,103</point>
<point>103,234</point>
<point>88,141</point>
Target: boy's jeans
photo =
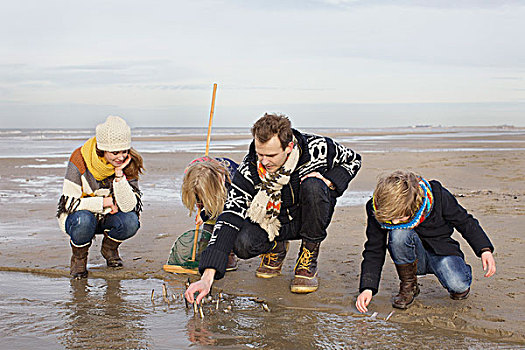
<point>82,226</point>
<point>452,271</point>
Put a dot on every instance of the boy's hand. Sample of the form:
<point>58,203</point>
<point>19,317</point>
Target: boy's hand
<point>489,264</point>
<point>363,300</point>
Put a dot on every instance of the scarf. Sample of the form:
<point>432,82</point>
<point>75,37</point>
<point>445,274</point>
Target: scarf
<point>421,214</point>
<point>266,204</point>
<point>98,166</point>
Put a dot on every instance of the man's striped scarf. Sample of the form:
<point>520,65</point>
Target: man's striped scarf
<point>266,204</point>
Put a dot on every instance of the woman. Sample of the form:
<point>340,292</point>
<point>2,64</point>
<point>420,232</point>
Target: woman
<point>101,194</point>
<point>205,188</point>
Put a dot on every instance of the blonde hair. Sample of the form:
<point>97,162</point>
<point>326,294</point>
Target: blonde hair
<point>397,195</point>
<point>204,185</point>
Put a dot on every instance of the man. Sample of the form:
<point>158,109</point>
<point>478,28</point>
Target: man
<point>285,188</point>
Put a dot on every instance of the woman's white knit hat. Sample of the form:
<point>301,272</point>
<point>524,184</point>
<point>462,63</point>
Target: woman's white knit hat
<point>113,135</point>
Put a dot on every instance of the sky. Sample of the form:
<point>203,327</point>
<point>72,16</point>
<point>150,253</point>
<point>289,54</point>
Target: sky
<point>326,63</point>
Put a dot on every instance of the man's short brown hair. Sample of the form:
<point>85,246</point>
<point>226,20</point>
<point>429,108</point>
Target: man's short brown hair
<point>273,124</point>
<point>397,195</point>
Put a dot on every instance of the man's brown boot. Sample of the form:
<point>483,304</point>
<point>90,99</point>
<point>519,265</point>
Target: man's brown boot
<point>79,257</point>
<point>232,262</point>
<point>272,262</point>
<point>408,288</point>
<point>305,279</point>
<point>109,251</point>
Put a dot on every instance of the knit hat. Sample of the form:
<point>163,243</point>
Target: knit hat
<point>113,135</point>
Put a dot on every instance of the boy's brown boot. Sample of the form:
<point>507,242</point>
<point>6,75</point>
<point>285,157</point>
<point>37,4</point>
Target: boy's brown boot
<point>79,257</point>
<point>109,251</point>
<point>305,279</point>
<point>272,262</point>
<point>460,296</point>
<point>408,288</point>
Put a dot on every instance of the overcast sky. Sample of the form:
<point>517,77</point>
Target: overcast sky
<point>330,63</point>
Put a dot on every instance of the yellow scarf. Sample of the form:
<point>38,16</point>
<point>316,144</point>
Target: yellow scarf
<point>98,166</point>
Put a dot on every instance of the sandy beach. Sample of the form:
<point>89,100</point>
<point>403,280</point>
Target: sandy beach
<point>489,183</point>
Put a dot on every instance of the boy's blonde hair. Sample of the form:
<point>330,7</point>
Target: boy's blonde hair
<point>203,184</point>
<point>397,195</point>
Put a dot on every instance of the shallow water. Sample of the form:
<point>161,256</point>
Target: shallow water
<point>47,188</point>
<point>58,143</point>
<point>58,313</point>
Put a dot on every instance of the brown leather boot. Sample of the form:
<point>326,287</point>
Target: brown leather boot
<point>272,262</point>
<point>79,257</point>
<point>408,288</point>
<point>232,262</point>
<point>305,279</point>
<point>109,251</point>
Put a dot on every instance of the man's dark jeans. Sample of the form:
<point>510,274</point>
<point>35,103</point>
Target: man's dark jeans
<point>316,207</point>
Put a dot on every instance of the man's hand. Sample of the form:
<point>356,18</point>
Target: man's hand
<point>202,286</point>
<point>489,264</point>
<point>363,300</point>
<point>320,177</point>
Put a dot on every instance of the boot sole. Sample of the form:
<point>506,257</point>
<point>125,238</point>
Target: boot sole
<point>303,289</point>
<point>300,289</point>
<point>266,275</point>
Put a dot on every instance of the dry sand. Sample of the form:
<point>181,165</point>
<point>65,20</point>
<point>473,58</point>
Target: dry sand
<point>489,184</point>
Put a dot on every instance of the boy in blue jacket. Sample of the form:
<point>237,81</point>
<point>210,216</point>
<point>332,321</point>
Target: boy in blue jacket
<point>415,218</point>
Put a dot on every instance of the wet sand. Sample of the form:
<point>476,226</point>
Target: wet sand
<point>488,183</point>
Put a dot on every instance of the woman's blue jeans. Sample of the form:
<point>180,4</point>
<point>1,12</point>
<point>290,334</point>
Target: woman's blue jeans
<point>451,270</point>
<point>82,226</point>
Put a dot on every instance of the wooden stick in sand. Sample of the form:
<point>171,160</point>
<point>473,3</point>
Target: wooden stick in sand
<point>165,294</point>
<point>196,236</point>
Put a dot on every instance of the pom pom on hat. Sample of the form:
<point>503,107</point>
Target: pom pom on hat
<point>113,135</point>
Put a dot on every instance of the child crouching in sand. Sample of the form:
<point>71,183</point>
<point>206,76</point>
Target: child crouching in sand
<point>415,218</point>
<point>205,188</point>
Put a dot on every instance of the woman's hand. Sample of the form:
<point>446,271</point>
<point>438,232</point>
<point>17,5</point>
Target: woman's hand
<point>363,300</point>
<point>119,171</point>
<point>108,202</point>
